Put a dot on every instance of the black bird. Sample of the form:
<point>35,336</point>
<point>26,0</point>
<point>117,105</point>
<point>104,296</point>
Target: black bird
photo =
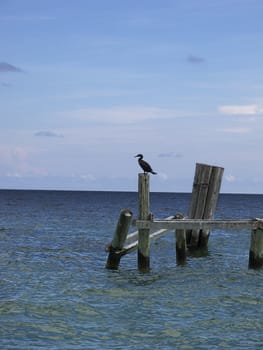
<point>144,165</point>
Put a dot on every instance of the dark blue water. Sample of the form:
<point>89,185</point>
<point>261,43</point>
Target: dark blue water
<point>56,294</point>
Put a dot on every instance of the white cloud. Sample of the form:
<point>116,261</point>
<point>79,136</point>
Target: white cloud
<point>11,156</point>
<point>236,130</point>
<point>16,162</point>
<point>121,114</point>
<point>163,176</point>
<point>240,109</point>
<point>87,177</point>
<point>230,178</point>
<point>170,155</point>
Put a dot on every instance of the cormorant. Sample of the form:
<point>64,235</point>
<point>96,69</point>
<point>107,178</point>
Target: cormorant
<point>144,165</point>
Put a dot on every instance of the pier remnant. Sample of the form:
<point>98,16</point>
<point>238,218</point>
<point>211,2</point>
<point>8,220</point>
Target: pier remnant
<point>193,231</point>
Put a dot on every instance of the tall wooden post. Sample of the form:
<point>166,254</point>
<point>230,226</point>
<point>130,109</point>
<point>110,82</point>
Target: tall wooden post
<point>143,214</point>
<point>206,187</point>
<point>211,201</point>
<point>119,238</point>
<point>256,247</point>
<point>203,172</point>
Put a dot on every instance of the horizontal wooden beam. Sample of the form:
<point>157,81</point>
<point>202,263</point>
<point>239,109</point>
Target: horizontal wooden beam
<point>160,227</point>
<point>197,224</point>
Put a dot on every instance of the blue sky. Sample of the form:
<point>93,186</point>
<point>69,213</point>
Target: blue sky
<point>85,85</point>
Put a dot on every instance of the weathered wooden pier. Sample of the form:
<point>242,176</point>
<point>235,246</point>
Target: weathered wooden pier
<point>191,233</point>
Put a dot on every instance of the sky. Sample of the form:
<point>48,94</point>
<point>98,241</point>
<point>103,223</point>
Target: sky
<point>86,85</point>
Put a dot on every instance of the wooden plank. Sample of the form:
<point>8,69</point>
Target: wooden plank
<point>133,237</point>
<point>190,224</point>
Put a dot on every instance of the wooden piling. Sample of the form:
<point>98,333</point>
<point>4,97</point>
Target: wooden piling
<point>180,243</point>
<point>201,182</point>
<point>119,238</point>
<point>206,186</point>
<point>211,202</point>
<point>143,254</point>
<point>256,247</point>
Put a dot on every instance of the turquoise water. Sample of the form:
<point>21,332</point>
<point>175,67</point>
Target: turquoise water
<point>56,294</point>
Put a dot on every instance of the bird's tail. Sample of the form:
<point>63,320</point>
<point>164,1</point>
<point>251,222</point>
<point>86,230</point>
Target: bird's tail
<point>153,172</point>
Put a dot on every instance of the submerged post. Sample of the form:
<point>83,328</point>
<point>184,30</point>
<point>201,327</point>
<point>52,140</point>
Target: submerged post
<point>180,243</point>
<point>119,238</point>
<point>143,214</point>
<point>256,247</point>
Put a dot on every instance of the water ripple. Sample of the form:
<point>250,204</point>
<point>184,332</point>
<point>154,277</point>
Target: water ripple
<point>56,294</point>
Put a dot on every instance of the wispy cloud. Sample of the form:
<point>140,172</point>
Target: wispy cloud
<point>170,155</point>
<point>195,59</point>
<point>16,162</point>
<point>236,130</point>
<point>240,109</point>
<point>9,68</point>
<point>47,133</point>
<point>230,178</point>
<point>124,115</point>
<point>163,176</point>
<point>84,177</point>
<point>100,93</point>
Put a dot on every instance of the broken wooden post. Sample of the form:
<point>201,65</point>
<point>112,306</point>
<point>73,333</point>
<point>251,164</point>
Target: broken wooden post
<point>256,247</point>
<point>119,238</point>
<point>180,243</point>
<point>200,189</point>
<point>206,186</point>
<point>211,202</point>
<point>143,214</point>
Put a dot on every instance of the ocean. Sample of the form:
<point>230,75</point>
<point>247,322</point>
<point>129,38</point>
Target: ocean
<point>55,292</point>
